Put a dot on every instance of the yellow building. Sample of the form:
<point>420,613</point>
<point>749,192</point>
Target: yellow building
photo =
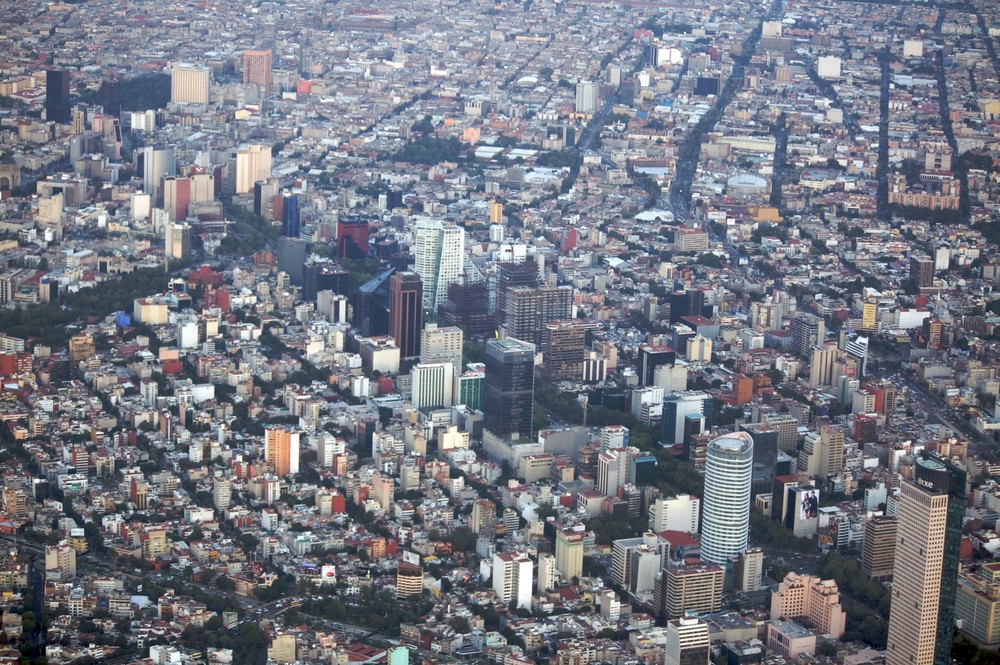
<point>569,553</point>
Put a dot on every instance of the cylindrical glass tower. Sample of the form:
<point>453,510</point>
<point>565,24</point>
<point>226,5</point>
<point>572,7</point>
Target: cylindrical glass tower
<point>725,522</point>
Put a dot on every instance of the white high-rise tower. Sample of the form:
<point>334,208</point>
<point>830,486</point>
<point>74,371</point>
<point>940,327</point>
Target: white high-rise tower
<point>725,522</point>
<point>439,255</point>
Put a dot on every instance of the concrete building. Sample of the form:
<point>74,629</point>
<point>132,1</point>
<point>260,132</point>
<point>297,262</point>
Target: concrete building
<point>689,588</point>
<point>189,83</point>
<point>281,450</point>
<point>512,581</point>
<point>878,551</point>
<point>807,596</point>
<point>679,513</point>
<point>687,642</point>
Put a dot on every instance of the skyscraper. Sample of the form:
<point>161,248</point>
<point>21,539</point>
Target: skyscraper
<point>808,331</point>
<point>154,164</point>
<point>257,68</point>
<point>439,257</point>
<point>509,389</point>
<point>281,450</point>
<point>563,342</point>
<point>189,83</point>
<point>921,270</point>
<point>57,108</point>
<point>406,313</point>
<point>290,217</point>
<point>725,523</point>
<point>249,165</point>
<point>588,99</point>
<point>352,238</point>
<point>925,572</point>
<point>528,310</point>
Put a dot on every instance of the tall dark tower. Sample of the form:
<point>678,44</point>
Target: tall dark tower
<point>290,220</point>
<point>57,95</point>
<point>406,312</point>
<point>509,388</point>
<point>111,97</point>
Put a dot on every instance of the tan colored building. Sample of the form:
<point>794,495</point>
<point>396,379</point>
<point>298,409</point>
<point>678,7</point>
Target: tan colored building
<point>689,588</point>
<point>878,551</point>
<point>931,507</point>
<point>808,596</point>
<point>189,83</point>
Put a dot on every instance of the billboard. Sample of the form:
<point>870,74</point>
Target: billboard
<point>328,575</point>
<point>805,511</point>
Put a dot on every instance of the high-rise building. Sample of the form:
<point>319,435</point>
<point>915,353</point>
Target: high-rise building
<point>177,243</point>
<point>189,83</point>
<point>823,453</point>
<point>749,570</point>
<point>689,588</point>
<point>679,513</point>
<point>725,523</point>
<point>563,342</point>
<point>878,549</point>
<point>509,388</point>
<point>155,164</point>
<point>679,407</point>
<point>687,642</point>
<point>484,517</point>
<point>921,271</point>
<point>651,357</point>
<point>352,237</point>
<point>808,332</point>
<point>222,492</point>
<point>569,553</point>
<point>528,311</point>
<point>291,221</point>
<point>468,306</point>
<point>690,302</point>
<point>57,106</point>
<point>432,385</point>
<point>546,573</point>
<point>977,604</point>
<point>588,100</point>
<point>512,274</point>
<point>406,312</point>
<point>857,348</point>
<point>440,344</point>
<point>409,580</point>
<point>249,165</point>
<point>439,259</point>
<point>257,68</point>
<point>281,450</point>
<point>512,572</point>
<point>925,572</point>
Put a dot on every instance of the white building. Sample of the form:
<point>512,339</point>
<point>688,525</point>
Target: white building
<point>432,385</point>
<point>677,514</point>
<point>439,257</point>
<point>588,99</point>
<point>189,83</point>
<point>512,573</point>
<point>725,523</point>
<point>687,642</point>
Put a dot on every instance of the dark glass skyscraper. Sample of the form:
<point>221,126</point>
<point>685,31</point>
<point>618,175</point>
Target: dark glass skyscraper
<point>406,312</point>
<point>509,390</point>
<point>57,96</point>
<point>290,216</point>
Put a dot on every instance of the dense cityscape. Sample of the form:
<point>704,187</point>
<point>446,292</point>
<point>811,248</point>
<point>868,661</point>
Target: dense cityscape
<point>542,332</point>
